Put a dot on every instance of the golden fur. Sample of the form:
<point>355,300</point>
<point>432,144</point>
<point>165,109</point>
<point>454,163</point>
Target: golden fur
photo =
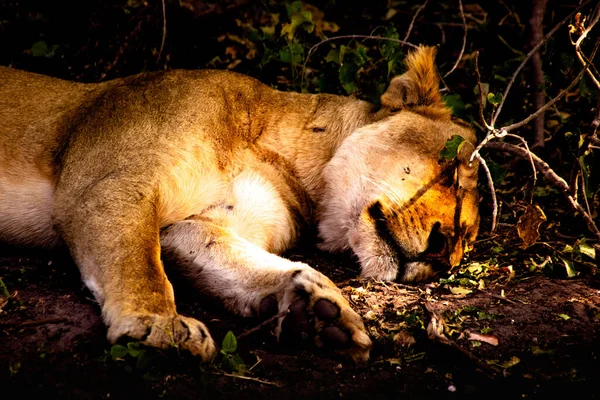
<point>218,173</point>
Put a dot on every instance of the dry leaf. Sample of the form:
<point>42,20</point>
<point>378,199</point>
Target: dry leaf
<point>529,224</point>
<point>489,339</point>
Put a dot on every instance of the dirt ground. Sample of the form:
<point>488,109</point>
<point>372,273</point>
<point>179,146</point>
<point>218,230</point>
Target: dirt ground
<point>525,335</point>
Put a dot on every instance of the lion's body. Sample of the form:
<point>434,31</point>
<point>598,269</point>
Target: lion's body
<point>219,172</point>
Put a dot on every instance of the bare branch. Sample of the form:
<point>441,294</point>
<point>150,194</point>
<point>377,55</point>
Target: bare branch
<point>528,56</point>
<point>492,191</point>
<point>582,58</point>
<point>555,99</point>
<point>552,177</point>
<point>164,35</point>
<point>481,98</point>
<point>414,18</point>
<point>464,43</point>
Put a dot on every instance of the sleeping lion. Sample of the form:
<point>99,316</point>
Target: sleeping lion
<point>218,174</point>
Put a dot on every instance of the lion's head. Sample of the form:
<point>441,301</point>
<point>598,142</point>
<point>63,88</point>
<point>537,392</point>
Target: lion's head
<point>405,214</point>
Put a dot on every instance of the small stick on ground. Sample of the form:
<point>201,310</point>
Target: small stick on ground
<point>435,332</point>
<point>247,378</point>
<point>47,321</point>
<point>263,324</point>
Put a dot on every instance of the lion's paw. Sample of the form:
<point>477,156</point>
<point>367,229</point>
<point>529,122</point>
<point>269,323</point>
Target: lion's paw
<point>318,312</point>
<point>165,332</point>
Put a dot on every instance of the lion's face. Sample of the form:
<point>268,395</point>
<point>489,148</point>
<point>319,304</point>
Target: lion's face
<point>404,213</point>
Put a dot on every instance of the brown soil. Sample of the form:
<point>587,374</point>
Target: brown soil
<point>52,341</point>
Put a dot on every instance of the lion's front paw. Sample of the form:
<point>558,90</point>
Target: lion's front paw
<point>165,332</point>
<point>318,311</point>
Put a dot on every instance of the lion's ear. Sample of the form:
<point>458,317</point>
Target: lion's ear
<point>418,86</point>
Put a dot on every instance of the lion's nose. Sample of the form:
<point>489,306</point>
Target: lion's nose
<point>437,246</point>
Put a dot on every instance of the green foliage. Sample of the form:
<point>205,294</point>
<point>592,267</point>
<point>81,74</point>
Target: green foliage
<point>133,357</point>
<point>450,150</point>
<point>282,40</point>
<point>41,49</point>
<point>4,289</point>
<point>494,99</point>
<point>230,359</point>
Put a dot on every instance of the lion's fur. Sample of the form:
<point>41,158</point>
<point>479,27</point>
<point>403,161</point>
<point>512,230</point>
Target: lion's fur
<point>218,173</point>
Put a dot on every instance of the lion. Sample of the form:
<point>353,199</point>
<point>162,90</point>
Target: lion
<point>217,174</point>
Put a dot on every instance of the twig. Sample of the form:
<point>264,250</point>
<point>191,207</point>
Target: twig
<point>48,321</point>
<point>528,152</point>
<point>584,60</point>
<point>492,191</point>
<point>464,43</point>
<point>583,192</point>
<point>248,378</point>
<point>552,178</point>
<point>414,18</point>
<point>527,57</point>
<point>481,98</point>
<point>164,35</point>
<point>263,324</point>
<point>497,296</point>
<point>435,332</point>
<point>555,99</point>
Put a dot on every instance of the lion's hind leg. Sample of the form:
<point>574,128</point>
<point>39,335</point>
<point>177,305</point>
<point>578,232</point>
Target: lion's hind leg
<point>253,282</point>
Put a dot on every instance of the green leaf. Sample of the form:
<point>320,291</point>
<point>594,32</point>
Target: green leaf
<point>564,316</point>
<point>537,350</point>
<point>347,74</point>
<point>133,349</point>
<point>569,268</point>
<point>494,99</point>
<point>333,56</point>
<point>293,8</point>
<point>455,102</point>
<point>118,351</point>
<point>450,150</point>
<point>588,250</point>
<point>229,344</point>
<point>460,291</point>
<point>144,359</point>
<point>4,289</point>
<point>294,53</point>
<point>301,20</point>
<point>39,49</point>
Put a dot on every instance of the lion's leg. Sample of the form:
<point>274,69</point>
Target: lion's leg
<point>251,281</point>
<point>114,239</point>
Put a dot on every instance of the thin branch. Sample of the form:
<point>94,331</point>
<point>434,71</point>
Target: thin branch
<point>481,98</point>
<point>164,35</point>
<point>584,194</point>
<point>555,99</point>
<point>414,18</point>
<point>435,332</point>
<point>551,176</point>
<point>47,321</point>
<point>247,378</point>
<point>492,191</point>
<point>528,151</point>
<point>527,57</point>
<point>582,58</point>
<point>263,324</point>
<point>464,43</point>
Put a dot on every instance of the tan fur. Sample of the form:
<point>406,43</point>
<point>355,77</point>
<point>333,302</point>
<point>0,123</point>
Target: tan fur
<point>218,173</point>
